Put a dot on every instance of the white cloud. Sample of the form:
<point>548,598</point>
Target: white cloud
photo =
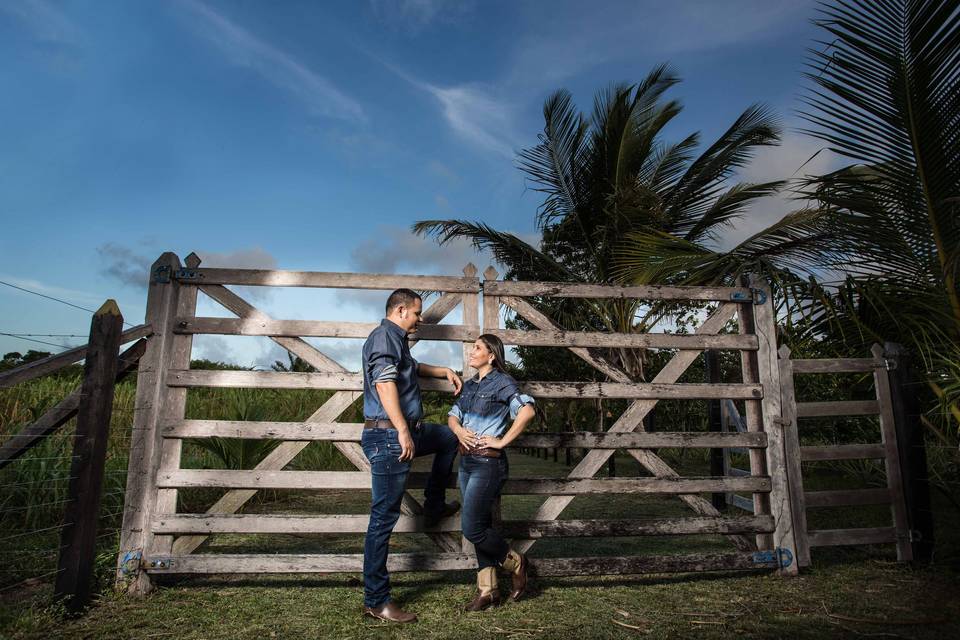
<point>243,49</point>
<point>796,157</point>
<point>475,115</point>
<point>413,16</point>
<point>45,21</point>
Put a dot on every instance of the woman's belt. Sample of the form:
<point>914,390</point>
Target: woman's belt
<point>483,452</point>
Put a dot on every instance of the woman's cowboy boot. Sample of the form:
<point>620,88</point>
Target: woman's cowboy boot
<point>487,593</point>
<point>516,564</point>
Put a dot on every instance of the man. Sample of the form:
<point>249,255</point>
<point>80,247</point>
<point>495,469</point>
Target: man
<point>392,436</point>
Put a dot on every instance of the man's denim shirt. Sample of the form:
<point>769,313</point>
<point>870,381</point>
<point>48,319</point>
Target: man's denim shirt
<point>386,357</point>
<point>485,404</point>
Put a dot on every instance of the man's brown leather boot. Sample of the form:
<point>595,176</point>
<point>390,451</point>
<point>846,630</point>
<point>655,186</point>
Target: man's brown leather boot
<point>516,564</point>
<point>487,593</point>
<point>390,612</point>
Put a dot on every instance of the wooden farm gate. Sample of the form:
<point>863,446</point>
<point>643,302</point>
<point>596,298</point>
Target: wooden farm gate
<point>155,539</point>
<point>898,531</point>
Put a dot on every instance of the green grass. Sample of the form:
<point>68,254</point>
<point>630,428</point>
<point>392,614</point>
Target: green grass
<point>847,592</point>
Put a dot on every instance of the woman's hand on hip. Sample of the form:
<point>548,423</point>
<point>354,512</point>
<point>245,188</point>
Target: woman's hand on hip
<point>467,438</point>
<point>489,442</point>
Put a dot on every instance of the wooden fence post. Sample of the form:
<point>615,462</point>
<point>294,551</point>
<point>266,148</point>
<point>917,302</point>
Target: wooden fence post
<point>145,440</point>
<point>79,537</point>
<point>711,365</point>
<point>913,453</point>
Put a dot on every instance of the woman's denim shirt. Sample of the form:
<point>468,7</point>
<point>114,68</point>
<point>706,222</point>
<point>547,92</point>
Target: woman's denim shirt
<point>486,405</point>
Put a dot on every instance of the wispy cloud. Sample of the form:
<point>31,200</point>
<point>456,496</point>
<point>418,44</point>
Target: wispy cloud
<point>244,49</point>
<point>413,16</point>
<point>476,115</point>
<point>46,22</point>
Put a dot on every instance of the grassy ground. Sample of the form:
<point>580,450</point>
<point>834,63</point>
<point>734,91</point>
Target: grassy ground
<point>853,593</point>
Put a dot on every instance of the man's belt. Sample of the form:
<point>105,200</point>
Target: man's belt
<point>483,452</point>
<point>387,424</point>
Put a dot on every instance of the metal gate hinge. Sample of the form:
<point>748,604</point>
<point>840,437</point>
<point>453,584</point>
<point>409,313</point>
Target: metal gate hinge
<point>780,557</point>
<point>161,563</point>
<point>161,275</point>
<point>188,274</point>
<point>757,296</point>
<point>889,364</point>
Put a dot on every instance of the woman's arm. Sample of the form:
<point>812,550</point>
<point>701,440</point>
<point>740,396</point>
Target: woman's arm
<point>524,416</point>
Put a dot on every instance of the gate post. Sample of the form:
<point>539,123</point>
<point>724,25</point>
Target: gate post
<point>913,453</point>
<point>162,294</point>
<point>79,537</point>
<point>768,373</point>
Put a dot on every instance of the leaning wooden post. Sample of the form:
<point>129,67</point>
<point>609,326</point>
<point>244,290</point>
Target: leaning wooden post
<point>768,371</point>
<point>791,445</point>
<point>145,441</point>
<point>79,537</point>
<point>903,383</point>
<point>711,365</point>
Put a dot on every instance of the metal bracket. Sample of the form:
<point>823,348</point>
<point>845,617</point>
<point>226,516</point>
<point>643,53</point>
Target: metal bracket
<point>161,275</point>
<point>889,364</point>
<point>131,562</point>
<point>187,274</point>
<point>780,557</point>
<point>757,296</point>
<point>161,563</point>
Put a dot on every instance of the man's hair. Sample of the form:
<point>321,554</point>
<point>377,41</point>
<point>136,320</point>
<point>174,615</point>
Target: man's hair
<point>405,297</point>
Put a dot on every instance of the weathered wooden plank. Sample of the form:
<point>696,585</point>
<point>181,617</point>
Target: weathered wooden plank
<point>331,280</point>
<point>300,524</point>
<point>59,414</point>
<point>263,479</point>
<point>836,537</point>
<point>329,411</point>
<point>794,455</point>
<point>145,441</point>
<point>467,332</point>
<point>842,452</point>
<point>312,328</point>
<point>354,382</point>
<point>57,361</point>
<point>753,414</point>
<point>353,563</point>
<point>351,432</point>
<point>646,292</point>
<point>765,326</point>
<point>471,321</point>
<point>888,436</point>
<point>835,365</point>
<point>846,497</point>
<point>78,539</point>
<point>837,408</point>
<point>173,407</point>
<point>641,440</point>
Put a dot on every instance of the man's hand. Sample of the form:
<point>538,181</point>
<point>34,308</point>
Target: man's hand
<point>407,448</point>
<point>455,380</point>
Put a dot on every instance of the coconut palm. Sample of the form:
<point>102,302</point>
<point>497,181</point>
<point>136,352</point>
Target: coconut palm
<point>885,95</point>
<point>612,174</point>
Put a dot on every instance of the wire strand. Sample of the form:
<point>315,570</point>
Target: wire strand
<point>43,295</point>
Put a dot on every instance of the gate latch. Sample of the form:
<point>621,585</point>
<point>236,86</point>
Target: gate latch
<point>758,296</point>
<point>161,563</point>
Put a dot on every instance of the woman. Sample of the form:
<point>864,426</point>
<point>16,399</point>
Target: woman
<point>481,420</point>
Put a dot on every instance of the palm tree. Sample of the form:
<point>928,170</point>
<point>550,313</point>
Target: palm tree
<point>877,255</point>
<point>612,174</point>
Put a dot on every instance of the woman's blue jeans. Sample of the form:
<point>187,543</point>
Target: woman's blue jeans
<point>382,448</point>
<point>481,480</point>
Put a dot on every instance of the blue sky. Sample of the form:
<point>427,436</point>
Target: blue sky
<point>309,135</point>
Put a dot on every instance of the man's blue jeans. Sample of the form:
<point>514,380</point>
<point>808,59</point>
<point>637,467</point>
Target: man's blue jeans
<point>382,448</point>
<point>481,480</point>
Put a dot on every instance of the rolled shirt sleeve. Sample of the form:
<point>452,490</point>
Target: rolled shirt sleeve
<point>384,358</point>
<point>456,412</point>
<point>511,395</point>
